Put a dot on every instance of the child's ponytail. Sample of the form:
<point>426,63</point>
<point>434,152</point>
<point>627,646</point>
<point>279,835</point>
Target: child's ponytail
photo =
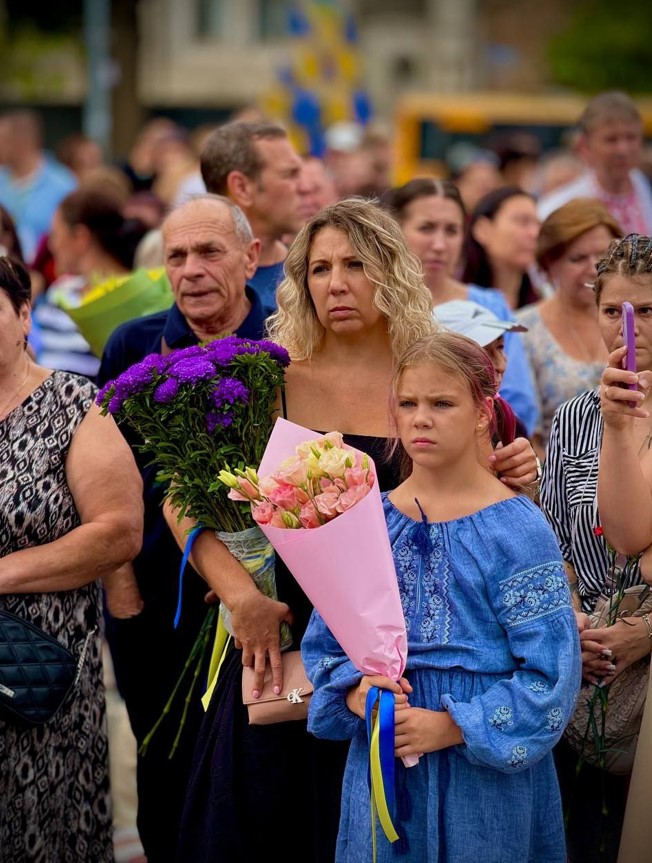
<point>505,422</point>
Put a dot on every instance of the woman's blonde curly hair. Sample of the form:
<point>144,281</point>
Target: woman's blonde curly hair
<point>400,295</point>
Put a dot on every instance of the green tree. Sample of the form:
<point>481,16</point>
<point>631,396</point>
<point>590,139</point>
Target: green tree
<point>606,46</point>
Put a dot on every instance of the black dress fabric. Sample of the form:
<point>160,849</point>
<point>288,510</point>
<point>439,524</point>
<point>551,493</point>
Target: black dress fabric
<point>254,790</point>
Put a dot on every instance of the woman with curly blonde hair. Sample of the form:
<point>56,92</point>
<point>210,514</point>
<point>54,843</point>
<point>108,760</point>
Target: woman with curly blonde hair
<point>352,301</point>
<point>395,273</point>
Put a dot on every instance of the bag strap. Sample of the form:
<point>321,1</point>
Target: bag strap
<point>82,654</point>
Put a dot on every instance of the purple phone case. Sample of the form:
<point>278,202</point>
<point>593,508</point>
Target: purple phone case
<point>629,341</point>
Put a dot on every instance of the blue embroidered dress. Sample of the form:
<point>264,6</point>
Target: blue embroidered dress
<point>493,640</point>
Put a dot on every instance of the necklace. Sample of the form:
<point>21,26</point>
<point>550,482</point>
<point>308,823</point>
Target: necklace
<point>13,395</point>
<point>590,357</point>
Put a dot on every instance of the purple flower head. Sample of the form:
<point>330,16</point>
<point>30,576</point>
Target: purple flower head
<point>222,351</point>
<point>155,361</point>
<point>214,421</point>
<point>133,380</point>
<point>166,391</point>
<point>185,353</point>
<point>192,370</point>
<point>115,404</point>
<point>275,351</point>
<point>228,391</point>
<point>102,394</point>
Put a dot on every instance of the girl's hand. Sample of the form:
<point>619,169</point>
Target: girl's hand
<point>615,398</point>
<point>582,620</point>
<point>419,730</point>
<point>516,463</point>
<point>356,697</point>
<point>608,650</point>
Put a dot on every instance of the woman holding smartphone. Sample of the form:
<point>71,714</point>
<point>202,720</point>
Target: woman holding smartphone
<point>594,434</point>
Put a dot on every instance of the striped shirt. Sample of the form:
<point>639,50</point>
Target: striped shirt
<point>61,345</point>
<point>569,492</point>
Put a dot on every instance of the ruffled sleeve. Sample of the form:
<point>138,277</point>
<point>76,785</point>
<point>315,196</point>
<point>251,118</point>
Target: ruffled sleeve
<point>517,721</point>
<point>332,674</point>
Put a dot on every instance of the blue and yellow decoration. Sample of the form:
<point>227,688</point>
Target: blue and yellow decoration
<point>322,82</point>
<point>379,714</point>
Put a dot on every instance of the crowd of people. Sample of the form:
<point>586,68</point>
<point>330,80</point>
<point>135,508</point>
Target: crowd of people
<point>466,333</point>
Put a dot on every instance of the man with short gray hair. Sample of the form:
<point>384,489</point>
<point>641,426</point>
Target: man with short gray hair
<point>210,254</point>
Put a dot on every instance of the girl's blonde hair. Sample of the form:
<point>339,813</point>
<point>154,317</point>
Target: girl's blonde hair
<point>451,354</point>
<point>375,237</point>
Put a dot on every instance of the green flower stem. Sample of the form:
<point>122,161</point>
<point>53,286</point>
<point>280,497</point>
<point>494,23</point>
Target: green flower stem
<point>204,637</point>
<point>199,647</point>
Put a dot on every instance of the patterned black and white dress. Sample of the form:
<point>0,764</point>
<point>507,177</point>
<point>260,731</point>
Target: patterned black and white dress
<point>54,780</point>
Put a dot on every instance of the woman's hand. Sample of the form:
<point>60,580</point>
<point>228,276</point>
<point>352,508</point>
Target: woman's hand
<point>256,622</point>
<point>516,463</point>
<point>123,599</point>
<point>419,730</point>
<point>645,565</point>
<point>609,650</point>
<point>615,400</point>
<point>356,697</point>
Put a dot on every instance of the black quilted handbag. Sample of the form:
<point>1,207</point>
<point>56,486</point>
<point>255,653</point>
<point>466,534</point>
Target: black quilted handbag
<point>37,672</point>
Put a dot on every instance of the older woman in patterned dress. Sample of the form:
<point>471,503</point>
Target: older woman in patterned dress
<point>70,498</point>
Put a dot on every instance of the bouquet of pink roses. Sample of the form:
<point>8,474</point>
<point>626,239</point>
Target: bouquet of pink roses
<point>314,499</point>
<point>321,481</point>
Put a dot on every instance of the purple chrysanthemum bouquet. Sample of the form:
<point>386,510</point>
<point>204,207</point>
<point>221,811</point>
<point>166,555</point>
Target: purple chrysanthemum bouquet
<point>198,411</point>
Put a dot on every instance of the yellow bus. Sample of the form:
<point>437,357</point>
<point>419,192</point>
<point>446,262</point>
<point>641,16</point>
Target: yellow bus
<point>427,125</point>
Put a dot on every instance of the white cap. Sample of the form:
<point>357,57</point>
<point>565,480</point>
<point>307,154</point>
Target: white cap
<point>345,136</point>
<point>473,320</point>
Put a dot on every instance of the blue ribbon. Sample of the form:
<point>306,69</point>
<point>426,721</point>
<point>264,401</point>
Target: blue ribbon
<point>385,720</point>
<point>192,536</point>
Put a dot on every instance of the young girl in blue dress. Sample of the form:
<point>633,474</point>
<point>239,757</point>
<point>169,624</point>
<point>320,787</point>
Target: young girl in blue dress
<point>493,664</point>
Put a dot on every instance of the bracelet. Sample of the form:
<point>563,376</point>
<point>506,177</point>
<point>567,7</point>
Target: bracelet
<point>539,469</point>
<point>646,619</point>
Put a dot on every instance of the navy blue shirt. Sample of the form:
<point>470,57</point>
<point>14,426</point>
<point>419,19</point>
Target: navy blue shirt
<point>265,281</point>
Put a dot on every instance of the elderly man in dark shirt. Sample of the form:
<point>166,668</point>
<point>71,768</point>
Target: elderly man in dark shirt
<point>210,254</point>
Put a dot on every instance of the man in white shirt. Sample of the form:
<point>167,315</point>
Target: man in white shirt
<point>611,145</point>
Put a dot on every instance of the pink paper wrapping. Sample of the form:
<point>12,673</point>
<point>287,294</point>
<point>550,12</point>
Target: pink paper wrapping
<point>345,568</point>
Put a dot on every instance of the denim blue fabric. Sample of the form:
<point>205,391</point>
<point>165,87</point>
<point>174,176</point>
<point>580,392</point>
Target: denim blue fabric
<point>518,387</point>
<point>493,640</point>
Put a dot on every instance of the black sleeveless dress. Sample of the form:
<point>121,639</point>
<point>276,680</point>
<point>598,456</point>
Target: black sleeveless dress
<point>258,789</point>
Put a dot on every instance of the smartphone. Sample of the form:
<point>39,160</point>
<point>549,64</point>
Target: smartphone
<point>629,341</point>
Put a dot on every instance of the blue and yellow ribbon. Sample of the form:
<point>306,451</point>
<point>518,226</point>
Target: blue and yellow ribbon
<point>380,734</point>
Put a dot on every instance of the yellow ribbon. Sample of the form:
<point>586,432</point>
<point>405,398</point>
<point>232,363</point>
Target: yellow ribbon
<point>379,806</point>
<point>220,645</point>
<point>252,562</point>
